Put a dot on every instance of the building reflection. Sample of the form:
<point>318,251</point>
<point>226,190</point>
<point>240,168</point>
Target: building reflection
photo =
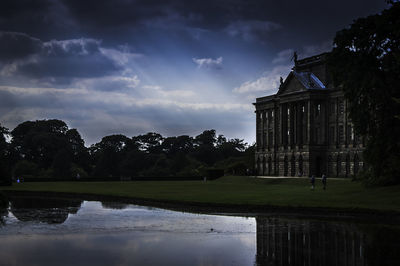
<point>307,242</point>
<point>43,210</point>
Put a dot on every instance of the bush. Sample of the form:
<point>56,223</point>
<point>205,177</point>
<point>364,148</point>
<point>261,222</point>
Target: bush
<point>5,175</point>
<point>214,173</point>
<point>24,167</point>
<point>75,170</point>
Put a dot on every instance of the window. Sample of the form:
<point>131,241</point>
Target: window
<point>272,113</point>
<point>317,135</point>
<point>350,135</point>
<point>332,108</point>
<point>318,109</point>
<point>302,108</point>
<point>332,135</point>
<point>270,136</point>
<point>264,139</point>
<point>288,111</point>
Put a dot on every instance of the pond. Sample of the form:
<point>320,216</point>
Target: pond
<point>36,231</point>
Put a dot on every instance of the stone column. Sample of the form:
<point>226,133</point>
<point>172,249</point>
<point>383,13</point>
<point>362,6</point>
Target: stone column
<point>309,113</point>
<point>288,132</point>
<point>268,120</point>
<point>345,122</point>
<point>280,125</point>
<point>296,123</point>
<point>257,130</point>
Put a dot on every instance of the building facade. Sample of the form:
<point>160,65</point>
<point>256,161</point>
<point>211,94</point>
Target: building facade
<point>304,129</point>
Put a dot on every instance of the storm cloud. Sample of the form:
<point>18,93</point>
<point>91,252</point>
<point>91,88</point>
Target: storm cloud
<point>171,66</point>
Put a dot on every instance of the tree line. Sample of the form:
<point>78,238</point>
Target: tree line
<point>48,149</point>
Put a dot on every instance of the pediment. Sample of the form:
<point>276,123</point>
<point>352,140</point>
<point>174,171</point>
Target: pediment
<point>300,81</point>
<point>290,85</point>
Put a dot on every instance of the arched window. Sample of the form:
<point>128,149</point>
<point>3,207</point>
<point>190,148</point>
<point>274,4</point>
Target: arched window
<point>270,166</point>
<point>263,166</point>
<point>301,165</point>
<point>356,164</point>
<point>338,165</point>
<point>293,166</point>
<point>347,165</point>
<point>285,166</point>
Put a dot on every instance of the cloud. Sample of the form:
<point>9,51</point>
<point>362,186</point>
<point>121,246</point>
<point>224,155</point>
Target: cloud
<point>121,56</point>
<point>268,83</point>
<point>14,45</point>
<point>208,62</point>
<point>283,57</point>
<point>251,30</point>
<point>315,49</point>
<point>58,61</point>
<point>97,113</point>
<point>108,83</point>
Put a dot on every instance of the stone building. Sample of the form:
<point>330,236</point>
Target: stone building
<point>304,129</point>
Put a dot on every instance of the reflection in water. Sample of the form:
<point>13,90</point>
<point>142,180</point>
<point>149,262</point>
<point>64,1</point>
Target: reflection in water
<point>41,232</point>
<point>134,235</point>
<point>3,207</point>
<point>308,242</point>
<point>43,210</point>
<point>114,205</point>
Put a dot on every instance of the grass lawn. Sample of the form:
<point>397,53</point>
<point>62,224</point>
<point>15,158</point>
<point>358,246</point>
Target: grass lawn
<point>294,192</point>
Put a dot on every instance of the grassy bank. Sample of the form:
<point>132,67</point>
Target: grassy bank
<point>293,192</point>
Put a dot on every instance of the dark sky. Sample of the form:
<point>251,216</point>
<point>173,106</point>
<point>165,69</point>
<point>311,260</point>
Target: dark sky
<point>173,67</point>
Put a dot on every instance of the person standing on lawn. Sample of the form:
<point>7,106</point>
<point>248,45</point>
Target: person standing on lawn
<point>324,181</point>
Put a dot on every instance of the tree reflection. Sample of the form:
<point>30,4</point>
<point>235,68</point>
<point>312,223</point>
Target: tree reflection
<point>114,205</point>
<point>44,210</point>
<point>3,207</point>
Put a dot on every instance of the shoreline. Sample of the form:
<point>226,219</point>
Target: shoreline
<point>332,214</point>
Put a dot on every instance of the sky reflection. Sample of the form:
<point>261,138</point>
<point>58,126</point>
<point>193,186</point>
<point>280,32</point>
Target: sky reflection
<point>133,235</point>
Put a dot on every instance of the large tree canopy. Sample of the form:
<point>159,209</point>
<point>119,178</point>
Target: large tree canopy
<point>365,62</point>
<point>48,145</point>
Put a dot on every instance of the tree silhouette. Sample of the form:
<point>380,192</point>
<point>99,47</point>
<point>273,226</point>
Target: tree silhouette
<point>366,64</point>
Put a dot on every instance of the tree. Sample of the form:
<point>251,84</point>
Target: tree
<point>232,148</point>
<point>62,164</point>
<point>150,143</point>
<point>108,154</point>
<point>205,150</point>
<point>365,62</point>
<point>79,153</point>
<point>173,145</point>
<point>50,145</point>
<point>5,176</point>
<point>39,141</point>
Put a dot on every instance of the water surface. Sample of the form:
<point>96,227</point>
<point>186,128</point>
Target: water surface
<point>71,232</point>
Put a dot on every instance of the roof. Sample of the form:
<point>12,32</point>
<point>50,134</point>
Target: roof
<point>309,80</point>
